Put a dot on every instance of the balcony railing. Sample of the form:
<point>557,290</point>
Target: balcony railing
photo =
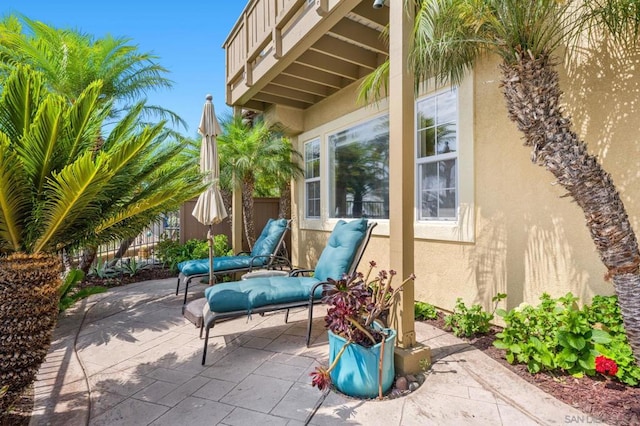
<point>254,31</point>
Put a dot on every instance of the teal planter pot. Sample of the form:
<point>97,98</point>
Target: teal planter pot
<point>356,373</point>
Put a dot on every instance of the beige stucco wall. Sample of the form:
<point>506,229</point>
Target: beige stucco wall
<point>528,240</point>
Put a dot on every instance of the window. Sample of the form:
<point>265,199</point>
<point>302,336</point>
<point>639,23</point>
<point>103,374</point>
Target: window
<point>359,170</point>
<point>312,178</point>
<point>437,156</point>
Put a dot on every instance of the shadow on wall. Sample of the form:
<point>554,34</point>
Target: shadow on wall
<point>603,97</point>
<point>550,261</point>
<point>527,252</point>
<point>536,257</point>
<point>314,244</point>
<point>487,260</point>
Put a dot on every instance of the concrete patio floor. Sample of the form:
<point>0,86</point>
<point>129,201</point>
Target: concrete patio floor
<point>128,357</point>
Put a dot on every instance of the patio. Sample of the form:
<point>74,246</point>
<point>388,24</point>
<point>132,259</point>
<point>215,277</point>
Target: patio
<point>128,357</point>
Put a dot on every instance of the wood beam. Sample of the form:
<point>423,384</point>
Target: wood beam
<point>326,63</point>
<point>378,17</point>
<point>401,171</point>
<point>340,49</point>
<point>301,85</point>
<point>359,34</point>
<point>289,93</point>
<point>280,100</point>
<point>307,73</point>
<point>298,38</point>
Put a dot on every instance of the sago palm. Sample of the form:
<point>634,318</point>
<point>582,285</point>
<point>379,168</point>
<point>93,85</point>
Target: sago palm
<point>58,191</point>
<point>451,35</point>
<point>249,152</point>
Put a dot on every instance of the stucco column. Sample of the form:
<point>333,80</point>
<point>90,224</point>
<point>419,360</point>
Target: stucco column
<point>236,207</point>
<point>401,167</point>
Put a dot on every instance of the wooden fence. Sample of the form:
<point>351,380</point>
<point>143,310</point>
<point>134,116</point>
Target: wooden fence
<point>264,209</point>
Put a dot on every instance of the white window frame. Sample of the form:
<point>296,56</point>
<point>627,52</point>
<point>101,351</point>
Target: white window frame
<point>436,158</point>
<point>314,179</point>
<point>322,131</point>
<point>462,229</point>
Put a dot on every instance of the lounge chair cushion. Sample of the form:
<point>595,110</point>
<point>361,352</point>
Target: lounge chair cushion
<point>264,246</point>
<point>221,263</point>
<point>269,238</point>
<point>256,292</point>
<point>338,255</point>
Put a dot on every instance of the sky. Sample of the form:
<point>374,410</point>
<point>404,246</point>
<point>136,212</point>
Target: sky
<point>186,35</point>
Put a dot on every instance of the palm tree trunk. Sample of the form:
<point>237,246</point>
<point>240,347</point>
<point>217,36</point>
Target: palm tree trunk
<point>29,287</point>
<point>247,211</point>
<point>284,207</point>
<point>532,93</point>
<point>89,254</point>
<point>227,197</point>
<point>122,250</point>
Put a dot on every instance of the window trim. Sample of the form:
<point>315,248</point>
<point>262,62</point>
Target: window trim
<point>313,179</point>
<point>420,161</point>
<point>463,228</point>
<point>326,223</point>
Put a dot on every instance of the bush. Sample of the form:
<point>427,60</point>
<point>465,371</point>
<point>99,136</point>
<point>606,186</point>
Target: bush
<point>69,292</point>
<point>171,252</point>
<point>469,322</point>
<point>557,335</point>
<point>424,311</point>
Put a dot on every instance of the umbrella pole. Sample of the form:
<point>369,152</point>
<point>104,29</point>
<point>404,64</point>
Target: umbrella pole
<point>210,242</point>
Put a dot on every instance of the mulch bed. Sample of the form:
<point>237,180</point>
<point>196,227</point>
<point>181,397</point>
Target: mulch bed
<point>144,274</point>
<point>600,399</point>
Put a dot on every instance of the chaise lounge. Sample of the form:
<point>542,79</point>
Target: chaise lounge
<point>263,256</point>
<point>341,255</point>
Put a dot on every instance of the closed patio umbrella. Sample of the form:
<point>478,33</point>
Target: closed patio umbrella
<point>209,208</point>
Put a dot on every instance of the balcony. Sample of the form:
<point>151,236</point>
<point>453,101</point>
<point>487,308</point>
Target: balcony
<point>297,52</point>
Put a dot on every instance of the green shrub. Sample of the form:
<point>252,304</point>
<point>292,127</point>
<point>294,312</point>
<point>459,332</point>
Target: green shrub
<point>471,321</point>
<point>423,311</point>
<point>171,252</point>
<point>557,335</point>
<point>604,313</point>
<point>70,294</point>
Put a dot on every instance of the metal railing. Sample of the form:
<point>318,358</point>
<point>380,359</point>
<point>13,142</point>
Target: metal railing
<point>141,249</point>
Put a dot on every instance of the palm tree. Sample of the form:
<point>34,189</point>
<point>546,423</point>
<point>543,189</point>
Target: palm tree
<point>71,60</point>
<point>448,38</point>
<point>250,152</point>
<point>60,191</point>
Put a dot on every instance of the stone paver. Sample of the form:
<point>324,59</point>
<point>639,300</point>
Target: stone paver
<point>128,357</point>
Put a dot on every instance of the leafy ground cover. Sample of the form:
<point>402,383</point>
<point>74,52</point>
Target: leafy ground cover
<point>601,399</point>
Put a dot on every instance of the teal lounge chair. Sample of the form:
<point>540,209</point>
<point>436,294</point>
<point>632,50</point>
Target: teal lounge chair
<point>263,256</point>
<point>342,255</point>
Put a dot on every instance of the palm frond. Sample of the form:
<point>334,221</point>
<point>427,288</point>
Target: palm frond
<point>375,86</point>
<point>40,149</point>
<point>21,95</point>
<point>83,121</point>
<point>126,151</point>
<point>73,193</point>
<point>14,196</point>
<point>618,18</point>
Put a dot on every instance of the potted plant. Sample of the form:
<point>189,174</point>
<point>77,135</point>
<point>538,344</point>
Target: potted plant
<point>360,344</point>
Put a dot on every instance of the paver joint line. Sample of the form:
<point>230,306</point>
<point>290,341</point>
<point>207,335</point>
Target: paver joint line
<point>496,392</point>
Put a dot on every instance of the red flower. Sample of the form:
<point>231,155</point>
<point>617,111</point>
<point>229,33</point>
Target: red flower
<point>606,365</point>
<point>321,378</point>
